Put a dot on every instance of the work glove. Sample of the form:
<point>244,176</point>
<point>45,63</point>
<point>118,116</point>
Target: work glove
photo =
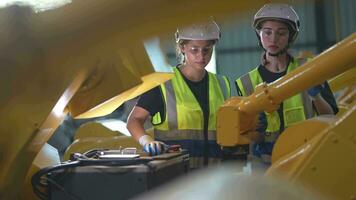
<point>261,123</point>
<point>314,91</point>
<point>257,135</point>
<point>151,146</point>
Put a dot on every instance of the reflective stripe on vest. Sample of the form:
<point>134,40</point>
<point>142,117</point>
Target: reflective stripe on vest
<point>224,85</point>
<point>184,120</point>
<point>172,135</point>
<point>295,108</point>
<point>181,104</point>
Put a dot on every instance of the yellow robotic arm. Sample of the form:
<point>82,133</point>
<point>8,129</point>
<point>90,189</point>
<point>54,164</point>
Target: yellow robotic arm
<point>77,58</point>
<point>318,153</point>
<point>236,118</point>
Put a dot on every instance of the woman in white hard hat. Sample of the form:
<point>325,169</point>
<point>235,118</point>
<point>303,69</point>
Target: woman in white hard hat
<point>183,110</point>
<point>276,27</point>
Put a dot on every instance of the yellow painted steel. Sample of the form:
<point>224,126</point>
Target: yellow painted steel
<point>233,126</point>
<point>87,53</point>
<point>349,97</point>
<point>346,99</point>
<point>293,137</point>
<point>103,108</point>
<point>325,163</point>
<point>50,58</point>
<point>345,86</point>
<point>346,79</point>
<point>48,156</point>
<point>112,75</point>
<point>318,153</point>
<point>94,129</point>
<point>334,61</point>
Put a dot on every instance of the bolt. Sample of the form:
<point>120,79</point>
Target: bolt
<point>335,140</point>
<point>313,168</point>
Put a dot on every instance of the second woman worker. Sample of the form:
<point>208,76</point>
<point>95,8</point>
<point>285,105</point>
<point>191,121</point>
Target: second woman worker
<point>277,26</point>
<point>183,109</point>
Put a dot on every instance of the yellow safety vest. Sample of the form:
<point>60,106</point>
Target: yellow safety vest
<point>183,118</point>
<point>295,108</point>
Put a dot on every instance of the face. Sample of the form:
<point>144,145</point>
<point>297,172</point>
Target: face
<point>274,36</point>
<point>197,53</point>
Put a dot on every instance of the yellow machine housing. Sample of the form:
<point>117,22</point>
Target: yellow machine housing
<point>87,57</point>
<point>318,153</point>
<point>77,58</point>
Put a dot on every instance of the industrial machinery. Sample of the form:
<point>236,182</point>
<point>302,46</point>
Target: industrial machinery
<point>345,86</point>
<point>109,174</point>
<point>86,58</point>
<point>318,153</point>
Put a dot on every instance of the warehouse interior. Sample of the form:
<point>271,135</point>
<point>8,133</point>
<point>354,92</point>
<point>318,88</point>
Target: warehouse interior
<point>73,70</point>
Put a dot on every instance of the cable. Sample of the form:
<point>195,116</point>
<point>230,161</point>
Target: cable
<point>62,189</point>
<point>40,180</point>
<point>39,183</point>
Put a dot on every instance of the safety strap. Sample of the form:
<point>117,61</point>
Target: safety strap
<point>171,107</point>
<point>187,134</point>
<point>223,86</point>
<point>247,84</point>
<point>307,103</point>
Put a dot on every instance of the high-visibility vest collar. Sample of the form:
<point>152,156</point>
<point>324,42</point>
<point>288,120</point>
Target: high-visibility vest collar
<point>183,111</point>
<point>295,108</point>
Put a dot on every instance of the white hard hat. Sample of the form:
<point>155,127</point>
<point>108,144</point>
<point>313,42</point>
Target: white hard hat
<point>282,12</point>
<point>206,31</point>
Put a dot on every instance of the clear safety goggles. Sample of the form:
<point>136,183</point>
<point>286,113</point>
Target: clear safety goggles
<point>269,33</point>
<point>195,50</point>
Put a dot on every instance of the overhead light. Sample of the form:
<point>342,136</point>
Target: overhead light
<point>37,5</point>
<point>116,125</point>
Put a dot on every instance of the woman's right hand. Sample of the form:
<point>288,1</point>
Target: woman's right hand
<point>155,148</point>
<point>151,146</point>
<point>258,134</point>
